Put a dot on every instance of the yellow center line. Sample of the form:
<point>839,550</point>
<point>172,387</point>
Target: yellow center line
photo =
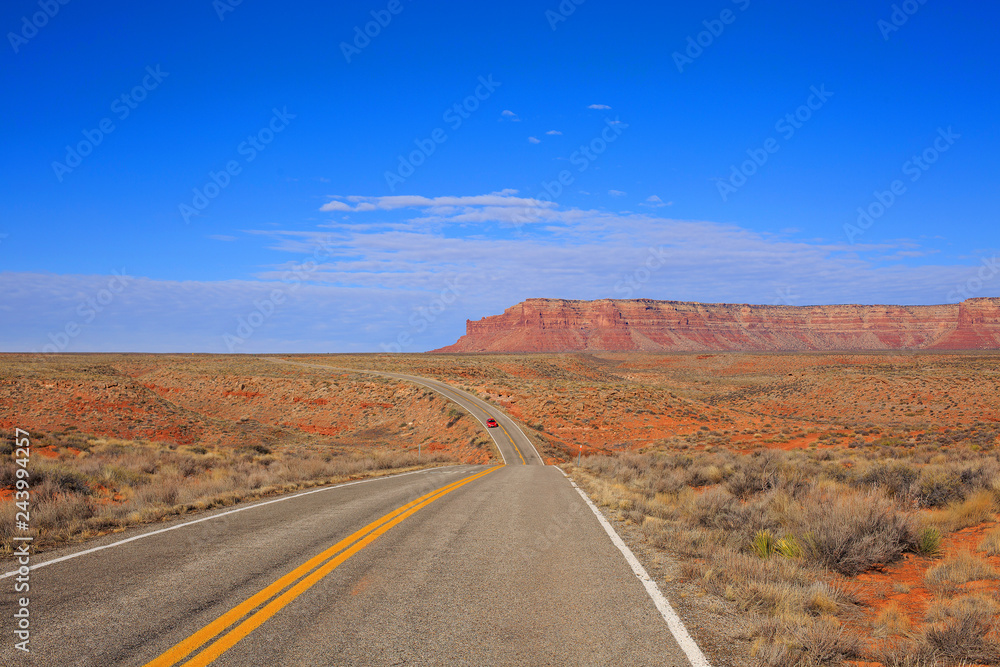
<point>516,449</point>
<point>523,462</point>
<point>349,546</point>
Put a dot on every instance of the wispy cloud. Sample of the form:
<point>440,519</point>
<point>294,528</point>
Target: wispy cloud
<point>534,140</point>
<point>553,132</point>
<point>501,198</point>
<point>386,257</point>
<point>599,106</point>
<point>507,114</point>
<point>617,193</point>
<point>655,202</point>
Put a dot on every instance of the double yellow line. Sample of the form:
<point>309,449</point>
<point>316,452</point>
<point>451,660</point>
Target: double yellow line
<point>303,577</point>
<point>516,448</point>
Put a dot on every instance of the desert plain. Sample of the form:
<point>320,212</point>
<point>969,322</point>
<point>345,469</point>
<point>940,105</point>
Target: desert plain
<point>797,509</point>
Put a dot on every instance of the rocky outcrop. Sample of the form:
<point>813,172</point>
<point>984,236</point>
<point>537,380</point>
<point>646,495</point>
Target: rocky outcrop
<point>558,325</point>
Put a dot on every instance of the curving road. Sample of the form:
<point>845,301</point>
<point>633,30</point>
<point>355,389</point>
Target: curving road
<point>463,565</point>
<point>514,446</point>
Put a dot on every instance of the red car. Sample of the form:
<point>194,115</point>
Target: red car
<point>491,423</point>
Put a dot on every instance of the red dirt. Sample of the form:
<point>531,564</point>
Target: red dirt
<point>218,401</point>
<point>877,590</point>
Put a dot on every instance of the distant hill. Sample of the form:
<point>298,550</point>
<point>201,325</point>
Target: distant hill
<point>559,325</point>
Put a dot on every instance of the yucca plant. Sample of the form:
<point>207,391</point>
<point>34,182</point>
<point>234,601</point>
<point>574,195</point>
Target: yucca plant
<point>762,544</point>
<point>788,547</point>
<point>929,541</point>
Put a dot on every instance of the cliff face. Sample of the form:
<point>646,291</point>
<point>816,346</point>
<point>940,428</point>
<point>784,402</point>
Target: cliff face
<point>557,325</point>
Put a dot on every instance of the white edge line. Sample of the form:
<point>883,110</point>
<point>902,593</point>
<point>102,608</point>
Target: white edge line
<point>492,408</point>
<point>677,629</point>
<point>209,518</point>
<point>413,379</point>
<point>416,379</point>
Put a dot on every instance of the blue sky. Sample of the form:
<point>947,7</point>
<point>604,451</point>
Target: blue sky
<point>266,177</point>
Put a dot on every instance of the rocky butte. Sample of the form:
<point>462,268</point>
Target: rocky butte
<point>560,325</point>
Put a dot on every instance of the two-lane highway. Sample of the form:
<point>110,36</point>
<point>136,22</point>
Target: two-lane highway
<point>463,565</point>
<point>515,447</point>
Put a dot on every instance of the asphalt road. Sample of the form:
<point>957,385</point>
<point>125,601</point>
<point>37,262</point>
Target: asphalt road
<point>465,565</point>
<point>514,445</point>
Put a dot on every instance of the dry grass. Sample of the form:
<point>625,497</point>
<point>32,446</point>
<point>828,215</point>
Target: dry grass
<point>977,509</point>
<point>990,544</point>
<point>110,484</point>
<point>964,629</point>
<point>958,569</point>
<point>764,531</point>
<point>892,620</point>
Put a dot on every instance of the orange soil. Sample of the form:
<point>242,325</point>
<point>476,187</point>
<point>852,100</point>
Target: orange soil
<point>903,582</point>
<point>597,403</point>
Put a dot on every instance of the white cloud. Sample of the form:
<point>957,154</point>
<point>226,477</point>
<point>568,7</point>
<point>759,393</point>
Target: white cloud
<point>510,115</point>
<point>502,206</point>
<point>534,140</point>
<point>374,276</point>
<point>655,202</point>
<point>221,237</point>
<point>387,203</point>
<point>598,106</point>
<point>553,132</point>
<point>616,193</point>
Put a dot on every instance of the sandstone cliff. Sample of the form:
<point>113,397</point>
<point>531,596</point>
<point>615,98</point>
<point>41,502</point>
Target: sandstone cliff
<point>558,325</point>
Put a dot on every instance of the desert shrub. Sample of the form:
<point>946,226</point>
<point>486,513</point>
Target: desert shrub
<point>895,477</point>
<point>62,477</point>
<point>963,628</point>
<point>717,508</point>
<point>990,544</point>
<point>937,487</point>
<point>851,532</point>
<point>958,569</point>
<point>62,513</point>
<point>974,510</point>
<point>764,530</point>
<point>892,620</point>
<point>756,474</point>
<point>806,643</point>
